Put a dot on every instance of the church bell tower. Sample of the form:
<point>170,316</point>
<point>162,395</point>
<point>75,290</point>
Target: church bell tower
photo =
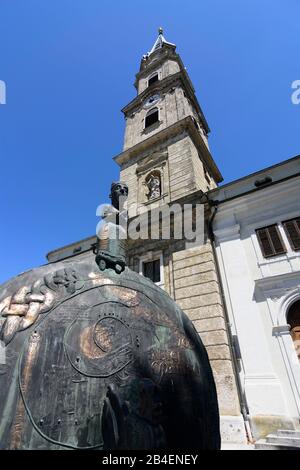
<point>166,160</point>
<point>166,154</point>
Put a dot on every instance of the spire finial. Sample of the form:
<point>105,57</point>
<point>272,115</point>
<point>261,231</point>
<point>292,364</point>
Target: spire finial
<point>160,42</point>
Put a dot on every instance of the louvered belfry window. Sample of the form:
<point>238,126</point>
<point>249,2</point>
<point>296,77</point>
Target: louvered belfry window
<point>292,229</point>
<point>270,241</point>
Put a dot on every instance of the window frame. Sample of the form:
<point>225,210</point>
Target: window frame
<point>155,74</point>
<point>275,253</point>
<point>284,222</point>
<point>155,264</point>
<point>149,113</point>
<point>153,256</point>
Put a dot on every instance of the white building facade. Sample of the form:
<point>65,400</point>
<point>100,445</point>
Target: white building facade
<point>256,230</point>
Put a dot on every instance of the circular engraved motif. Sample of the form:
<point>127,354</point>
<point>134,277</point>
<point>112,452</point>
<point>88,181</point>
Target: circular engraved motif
<point>99,347</point>
<point>109,333</point>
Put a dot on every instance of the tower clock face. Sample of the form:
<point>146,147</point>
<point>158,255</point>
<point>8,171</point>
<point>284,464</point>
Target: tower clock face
<point>151,101</point>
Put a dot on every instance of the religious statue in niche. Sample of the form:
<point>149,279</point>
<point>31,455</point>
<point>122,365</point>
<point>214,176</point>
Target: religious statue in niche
<point>153,184</point>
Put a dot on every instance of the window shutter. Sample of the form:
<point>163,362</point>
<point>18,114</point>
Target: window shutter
<point>276,240</point>
<point>264,242</point>
<point>270,241</point>
<point>292,229</point>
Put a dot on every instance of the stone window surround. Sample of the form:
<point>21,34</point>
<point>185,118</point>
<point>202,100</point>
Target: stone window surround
<point>277,250</point>
<point>159,164</point>
<point>261,260</point>
<point>156,72</point>
<point>152,256</point>
<point>153,126</point>
<point>250,231</point>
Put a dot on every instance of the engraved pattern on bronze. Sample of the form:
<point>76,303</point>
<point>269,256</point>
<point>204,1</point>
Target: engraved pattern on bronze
<point>121,353</point>
<point>23,308</point>
<point>99,347</point>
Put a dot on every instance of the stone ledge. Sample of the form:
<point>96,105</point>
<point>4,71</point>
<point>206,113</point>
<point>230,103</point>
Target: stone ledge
<point>193,270</point>
<point>212,324</point>
<point>195,279</point>
<point>198,250</point>
<point>222,367</point>
<point>200,289</point>
<point>219,351</point>
<point>214,338</point>
<point>199,301</point>
<point>193,260</point>
<point>203,313</point>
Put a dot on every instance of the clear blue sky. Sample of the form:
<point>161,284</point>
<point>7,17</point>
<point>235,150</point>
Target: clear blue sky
<point>69,67</point>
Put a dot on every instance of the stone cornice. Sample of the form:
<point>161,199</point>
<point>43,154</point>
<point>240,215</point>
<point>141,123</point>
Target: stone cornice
<point>157,59</point>
<point>228,233</point>
<point>273,283</point>
<point>163,86</point>
<point>185,124</point>
<point>158,159</point>
<point>250,203</point>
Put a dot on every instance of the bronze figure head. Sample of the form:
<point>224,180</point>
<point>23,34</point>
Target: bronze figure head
<point>119,190</point>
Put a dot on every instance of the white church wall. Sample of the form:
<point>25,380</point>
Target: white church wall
<point>257,292</point>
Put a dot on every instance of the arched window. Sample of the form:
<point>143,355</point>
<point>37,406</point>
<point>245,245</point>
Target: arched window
<point>293,319</point>
<point>153,79</point>
<point>151,117</point>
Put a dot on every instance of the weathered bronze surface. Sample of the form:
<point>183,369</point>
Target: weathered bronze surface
<point>111,247</point>
<point>101,359</point>
<point>107,361</point>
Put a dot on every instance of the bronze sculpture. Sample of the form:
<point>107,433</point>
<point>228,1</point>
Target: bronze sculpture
<point>101,359</point>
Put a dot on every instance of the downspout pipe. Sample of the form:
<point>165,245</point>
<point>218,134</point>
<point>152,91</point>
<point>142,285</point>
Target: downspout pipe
<point>242,399</point>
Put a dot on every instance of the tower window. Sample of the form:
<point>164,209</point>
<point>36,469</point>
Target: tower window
<point>151,117</point>
<point>292,229</point>
<point>151,269</point>
<point>270,241</point>
<point>153,79</point>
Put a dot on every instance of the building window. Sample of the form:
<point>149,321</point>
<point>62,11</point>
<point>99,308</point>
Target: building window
<point>151,269</point>
<point>292,230</point>
<point>293,319</point>
<point>151,117</point>
<point>270,241</point>
<point>153,79</point>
